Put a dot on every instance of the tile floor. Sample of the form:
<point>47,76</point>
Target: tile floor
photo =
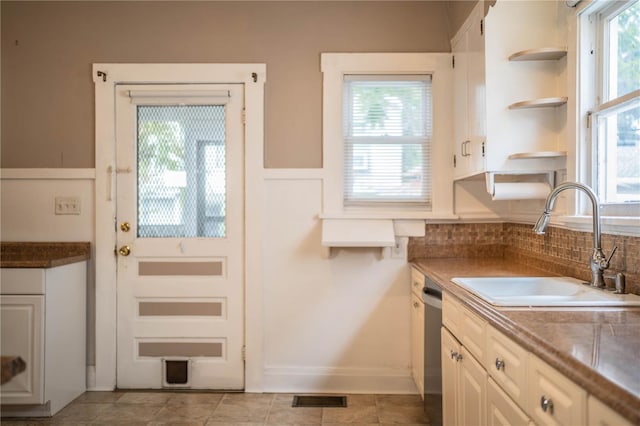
<point>218,409</point>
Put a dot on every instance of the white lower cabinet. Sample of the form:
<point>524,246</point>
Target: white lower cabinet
<point>450,380</point>
<point>473,389</point>
<point>43,314</point>
<point>509,386</point>
<point>464,384</point>
<point>22,323</point>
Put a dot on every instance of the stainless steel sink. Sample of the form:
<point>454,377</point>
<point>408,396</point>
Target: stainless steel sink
<point>542,291</point>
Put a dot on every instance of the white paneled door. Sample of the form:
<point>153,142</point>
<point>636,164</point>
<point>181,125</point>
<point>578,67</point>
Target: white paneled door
<point>180,232</point>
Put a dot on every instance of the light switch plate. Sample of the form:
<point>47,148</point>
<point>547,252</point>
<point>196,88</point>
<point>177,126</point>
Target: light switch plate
<point>67,205</point>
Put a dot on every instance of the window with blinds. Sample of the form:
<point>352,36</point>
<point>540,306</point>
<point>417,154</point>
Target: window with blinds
<point>387,122</point>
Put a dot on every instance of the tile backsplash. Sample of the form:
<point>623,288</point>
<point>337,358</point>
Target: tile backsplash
<point>560,250</point>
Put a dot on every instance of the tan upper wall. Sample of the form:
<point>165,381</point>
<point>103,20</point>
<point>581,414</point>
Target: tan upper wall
<point>48,49</point>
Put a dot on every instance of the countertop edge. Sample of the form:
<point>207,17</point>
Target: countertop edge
<point>39,255</point>
<point>620,399</point>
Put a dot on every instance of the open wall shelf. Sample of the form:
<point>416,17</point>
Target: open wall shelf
<point>539,54</point>
<point>540,103</point>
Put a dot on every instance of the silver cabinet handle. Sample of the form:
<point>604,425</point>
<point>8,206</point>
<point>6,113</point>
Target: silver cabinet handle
<point>546,404</point>
<point>455,355</point>
<point>499,364</point>
<point>463,149</point>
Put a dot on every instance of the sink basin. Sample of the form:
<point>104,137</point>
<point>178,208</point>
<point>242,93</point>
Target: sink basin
<point>542,291</point>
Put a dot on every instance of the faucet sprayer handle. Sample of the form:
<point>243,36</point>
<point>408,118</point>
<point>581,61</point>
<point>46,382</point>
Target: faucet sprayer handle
<point>612,253</point>
<point>605,263</point>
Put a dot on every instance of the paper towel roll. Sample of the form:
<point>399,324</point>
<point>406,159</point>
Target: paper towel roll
<point>520,191</point>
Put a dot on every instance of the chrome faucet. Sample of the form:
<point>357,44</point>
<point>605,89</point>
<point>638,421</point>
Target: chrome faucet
<point>598,262</point>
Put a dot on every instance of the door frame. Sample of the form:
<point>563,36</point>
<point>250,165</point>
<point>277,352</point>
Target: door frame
<point>105,77</point>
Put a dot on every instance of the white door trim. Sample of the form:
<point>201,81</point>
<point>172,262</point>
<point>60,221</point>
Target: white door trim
<point>105,78</point>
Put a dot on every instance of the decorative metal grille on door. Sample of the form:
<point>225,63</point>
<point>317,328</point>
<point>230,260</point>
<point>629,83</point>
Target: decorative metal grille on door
<point>181,171</point>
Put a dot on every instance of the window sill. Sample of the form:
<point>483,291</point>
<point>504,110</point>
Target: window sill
<point>618,225</point>
<point>398,215</point>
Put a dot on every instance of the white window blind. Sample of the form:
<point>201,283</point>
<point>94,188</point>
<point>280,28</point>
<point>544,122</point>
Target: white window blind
<point>387,122</point>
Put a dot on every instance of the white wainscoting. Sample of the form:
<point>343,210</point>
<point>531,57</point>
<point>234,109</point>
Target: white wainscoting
<point>331,325</point>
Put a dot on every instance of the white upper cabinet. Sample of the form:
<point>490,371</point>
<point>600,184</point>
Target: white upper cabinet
<point>510,102</point>
<point>469,95</point>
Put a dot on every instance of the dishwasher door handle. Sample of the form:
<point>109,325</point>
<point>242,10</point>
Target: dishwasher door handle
<point>432,300</point>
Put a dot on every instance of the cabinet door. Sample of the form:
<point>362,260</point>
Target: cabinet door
<point>501,410</point>
<point>460,105</point>
<point>22,335</point>
<point>417,342</point>
<point>506,362</point>
<point>554,399</point>
<point>473,385</point>
<point>450,348</point>
<point>476,104</point>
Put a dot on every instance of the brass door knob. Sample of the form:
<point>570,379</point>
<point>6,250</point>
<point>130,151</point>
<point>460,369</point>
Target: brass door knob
<point>125,227</point>
<point>124,251</point>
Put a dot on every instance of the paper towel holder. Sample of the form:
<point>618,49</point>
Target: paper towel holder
<point>491,182</point>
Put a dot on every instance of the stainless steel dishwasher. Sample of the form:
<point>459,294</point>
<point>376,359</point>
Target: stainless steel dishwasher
<point>432,297</point>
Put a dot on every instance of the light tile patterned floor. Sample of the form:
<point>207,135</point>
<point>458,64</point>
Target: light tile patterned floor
<point>231,409</point>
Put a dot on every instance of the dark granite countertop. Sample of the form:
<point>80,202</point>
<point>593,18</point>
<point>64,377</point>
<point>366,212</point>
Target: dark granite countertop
<point>42,254</point>
<point>597,348</point>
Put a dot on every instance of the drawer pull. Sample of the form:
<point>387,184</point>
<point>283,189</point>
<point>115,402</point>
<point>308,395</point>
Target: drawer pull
<point>546,404</point>
<point>499,364</point>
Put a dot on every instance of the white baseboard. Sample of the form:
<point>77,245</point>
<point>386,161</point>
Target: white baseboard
<point>338,380</point>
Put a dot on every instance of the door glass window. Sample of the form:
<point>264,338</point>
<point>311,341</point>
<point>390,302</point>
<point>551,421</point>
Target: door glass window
<point>181,171</point>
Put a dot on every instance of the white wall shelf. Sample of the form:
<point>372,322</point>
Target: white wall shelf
<point>540,103</point>
<point>535,155</point>
<point>539,54</point>
<point>358,233</point>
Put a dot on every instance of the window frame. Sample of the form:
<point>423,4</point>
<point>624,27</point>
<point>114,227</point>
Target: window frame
<point>352,198</point>
<point>335,66</point>
<point>593,100</point>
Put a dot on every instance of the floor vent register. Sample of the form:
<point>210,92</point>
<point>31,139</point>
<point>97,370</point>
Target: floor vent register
<point>319,401</point>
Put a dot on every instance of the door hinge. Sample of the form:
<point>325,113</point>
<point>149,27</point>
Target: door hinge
<point>483,149</point>
<point>482,27</point>
<point>454,160</point>
<point>244,116</point>
<point>244,352</point>
<point>453,61</point>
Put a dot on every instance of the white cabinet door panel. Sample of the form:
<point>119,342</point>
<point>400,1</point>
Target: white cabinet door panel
<point>22,335</point>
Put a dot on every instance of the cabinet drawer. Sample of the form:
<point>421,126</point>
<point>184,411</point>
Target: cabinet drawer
<point>506,362</point>
<point>417,282</point>
<point>473,330</point>
<point>554,399</point>
<point>451,314</point>
<point>598,414</point>
<point>22,281</point>
<point>501,410</point>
